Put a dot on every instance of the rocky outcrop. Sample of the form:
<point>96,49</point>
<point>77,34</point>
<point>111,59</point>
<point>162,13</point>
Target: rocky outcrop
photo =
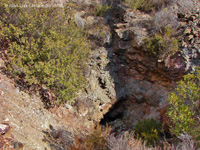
<point>99,94</point>
<point>125,82</point>
<point>142,82</point>
<point>191,37</point>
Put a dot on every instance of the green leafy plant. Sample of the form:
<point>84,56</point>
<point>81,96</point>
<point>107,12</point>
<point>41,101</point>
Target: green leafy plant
<point>184,105</point>
<point>149,130</point>
<point>162,45</point>
<point>43,49</point>
<point>100,9</point>
<point>134,4</point>
<point>147,5</point>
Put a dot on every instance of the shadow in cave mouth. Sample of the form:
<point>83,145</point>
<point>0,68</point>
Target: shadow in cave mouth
<point>116,112</point>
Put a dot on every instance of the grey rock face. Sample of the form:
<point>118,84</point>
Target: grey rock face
<point>79,21</point>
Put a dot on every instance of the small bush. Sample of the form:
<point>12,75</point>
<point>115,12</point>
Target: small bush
<point>162,45</point>
<point>149,130</point>
<point>187,143</point>
<point>148,5</point>
<point>184,106</point>
<point>125,141</point>
<point>165,18</point>
<point>134,4</point>
<point>97,140</point>
<point>101,9</point>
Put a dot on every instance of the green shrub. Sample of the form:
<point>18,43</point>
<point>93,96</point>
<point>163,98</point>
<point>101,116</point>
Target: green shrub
<point>184,104</point>
<point>149,130</point>
<point>43,49</point>
<point>162,45</point>
<point>147,5</point>
<point>101,9</point>
<point>134,4</point>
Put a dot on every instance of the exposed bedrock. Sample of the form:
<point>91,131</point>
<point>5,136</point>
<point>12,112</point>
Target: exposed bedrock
<point>142,82</point>
<point>124,81</point>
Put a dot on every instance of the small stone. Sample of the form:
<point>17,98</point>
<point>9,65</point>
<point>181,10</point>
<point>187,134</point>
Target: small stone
<point>120,25</point>
<point>192,40</point>
<point>195,33</point>
<point>79,20</point>
<point>68,106</point>
<point>184,44</point>
<point>4,128</point>
<point>187,31</point>
<point>90,20</point>
<point>196,15</point>
<point>190,37</point>
<point>6,119</point>
<point>17,145</point>
<point>183,24</point>
<point>131,14</point>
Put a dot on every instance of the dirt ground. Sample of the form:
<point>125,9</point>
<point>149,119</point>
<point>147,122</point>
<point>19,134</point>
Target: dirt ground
<point>27,117</point>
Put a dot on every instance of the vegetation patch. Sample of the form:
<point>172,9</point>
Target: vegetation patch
<point>147,5</point>
<point>96,140</point>
<point>162,45</point>
<point>43,49</point>
<point>101,9</point>
<point>149,130</point>
<point>184,104</point>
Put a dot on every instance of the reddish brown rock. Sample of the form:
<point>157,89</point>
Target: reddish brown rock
<point>176,63</point>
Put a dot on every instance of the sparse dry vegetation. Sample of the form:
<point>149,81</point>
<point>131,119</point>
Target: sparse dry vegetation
<point>102,139</point>
<point>96,140</point>
<point>163,19</point>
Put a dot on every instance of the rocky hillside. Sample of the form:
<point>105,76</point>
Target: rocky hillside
<point>125,81</point>
<point>142,81</point>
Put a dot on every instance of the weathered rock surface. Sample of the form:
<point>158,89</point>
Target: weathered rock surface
<point>142,82</point>
<point>125,83</point>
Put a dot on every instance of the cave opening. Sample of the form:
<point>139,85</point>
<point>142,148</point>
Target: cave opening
<point>116,112</point>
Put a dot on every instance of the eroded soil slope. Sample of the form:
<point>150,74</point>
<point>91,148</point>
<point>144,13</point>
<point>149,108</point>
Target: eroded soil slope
<point>27,118</point>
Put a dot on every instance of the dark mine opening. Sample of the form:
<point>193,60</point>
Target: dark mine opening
<point>116,112</point>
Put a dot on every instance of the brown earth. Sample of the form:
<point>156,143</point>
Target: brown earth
<point>27,117</point>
